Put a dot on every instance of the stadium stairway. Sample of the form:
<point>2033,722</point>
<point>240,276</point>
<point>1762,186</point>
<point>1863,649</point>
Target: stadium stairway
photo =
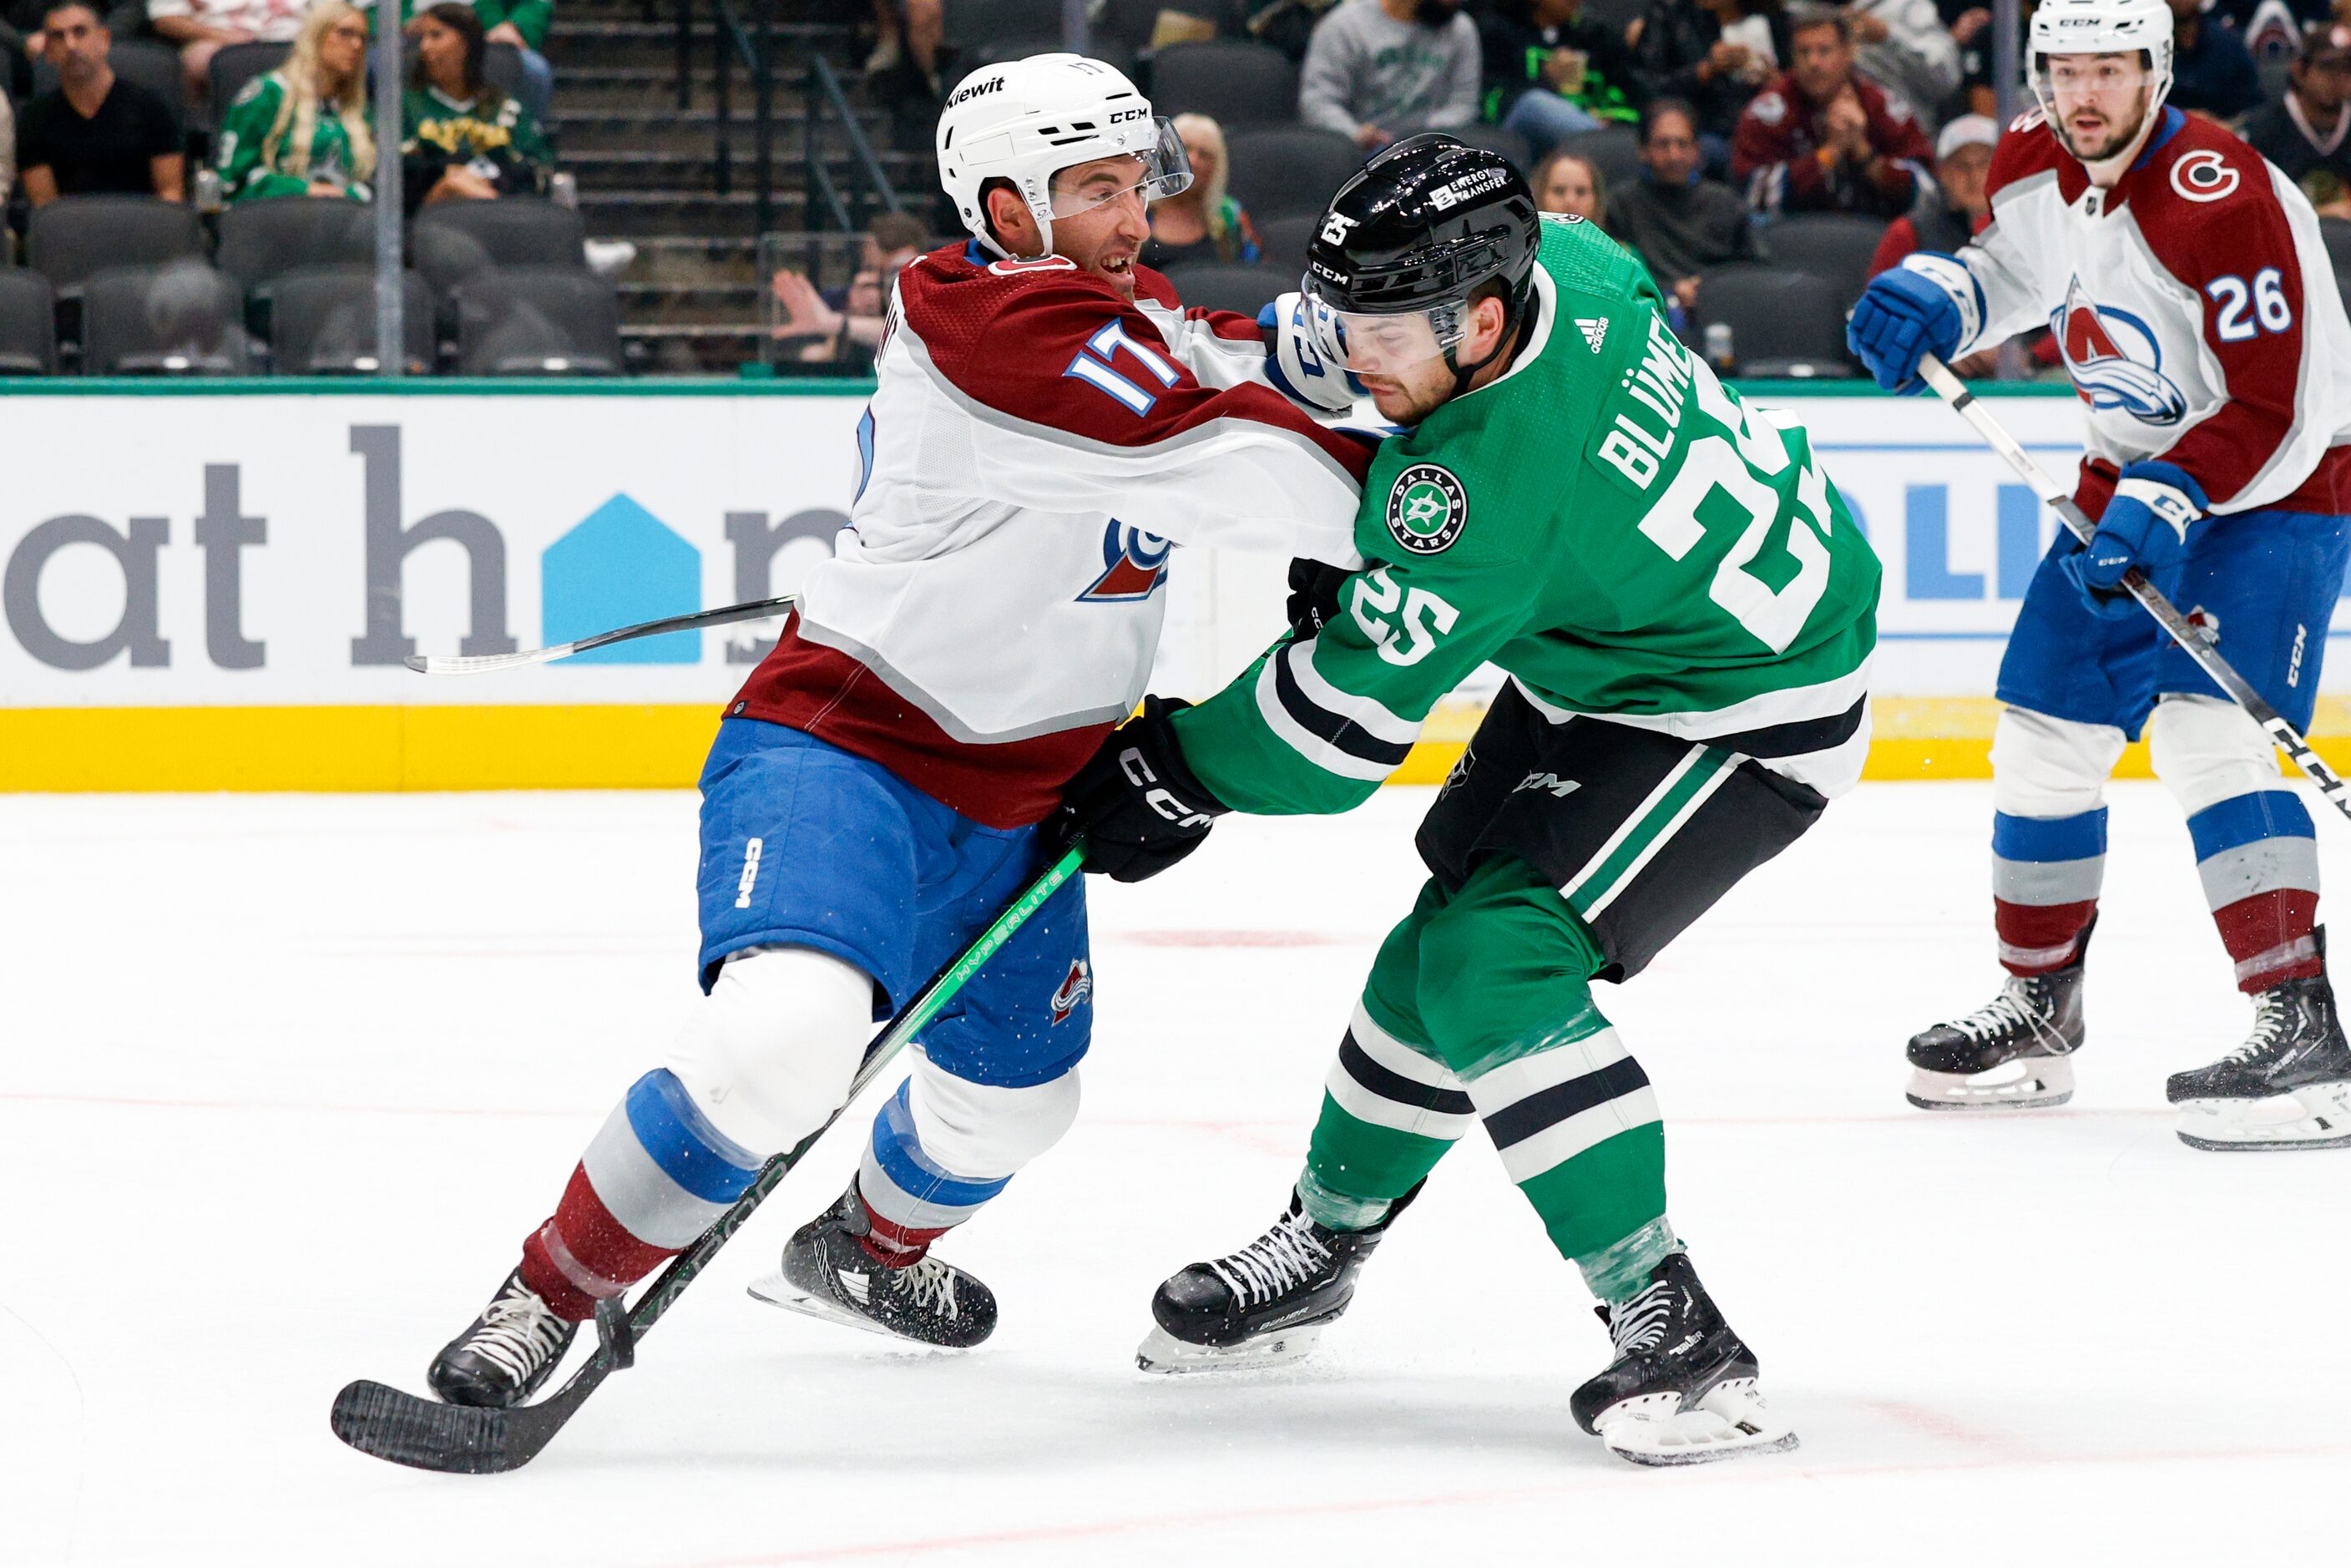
<point>648,173</point>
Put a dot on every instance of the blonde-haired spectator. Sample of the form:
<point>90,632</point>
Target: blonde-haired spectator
<point>1203,224</point>
<point>1571,183</point>
<point>302,130</point>
<point>200,29</point>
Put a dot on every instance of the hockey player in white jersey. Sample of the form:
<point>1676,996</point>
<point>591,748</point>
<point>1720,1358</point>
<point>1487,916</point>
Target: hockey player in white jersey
<point>1047,424</point>
<point>2186,282</point>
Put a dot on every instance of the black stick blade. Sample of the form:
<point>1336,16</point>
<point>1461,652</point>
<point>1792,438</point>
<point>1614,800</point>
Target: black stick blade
<point>456,1439</point>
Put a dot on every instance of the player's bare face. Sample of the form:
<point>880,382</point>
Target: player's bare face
<point>2097,102</point>
<point>1099,220</point>
<point>1401,364</point>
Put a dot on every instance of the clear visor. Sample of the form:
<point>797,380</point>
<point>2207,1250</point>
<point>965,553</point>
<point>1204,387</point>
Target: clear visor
<point>2114,85</point>
<point>1154,172</point>
<point>1392,345</point>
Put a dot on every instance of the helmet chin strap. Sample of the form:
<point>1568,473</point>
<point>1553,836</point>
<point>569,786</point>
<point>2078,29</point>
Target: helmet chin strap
<point>1509,342</point>
<point>2105,172</point>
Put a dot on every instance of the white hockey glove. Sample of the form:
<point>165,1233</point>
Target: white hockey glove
<point>1306,359</point>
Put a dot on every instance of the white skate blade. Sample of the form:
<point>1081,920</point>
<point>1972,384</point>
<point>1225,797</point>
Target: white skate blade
<point>779,1292</point>
<point>2316,1116</point>
<point>1730,1423</point>
<point>2021,1084</point>
<point>1162,1352</point>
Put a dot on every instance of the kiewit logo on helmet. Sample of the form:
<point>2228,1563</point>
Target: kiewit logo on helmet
<point>977,89</point>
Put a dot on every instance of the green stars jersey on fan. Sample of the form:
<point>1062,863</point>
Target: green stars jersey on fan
<point>1606,522</point>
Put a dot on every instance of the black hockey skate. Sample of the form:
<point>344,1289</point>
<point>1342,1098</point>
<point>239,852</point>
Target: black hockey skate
<point>506,1355</point>
<point>1682,1388</point>
<point>827,1274</point>
<point>1267,1303</point>
<point>2011,1053</point>
<point>2287,1087</point>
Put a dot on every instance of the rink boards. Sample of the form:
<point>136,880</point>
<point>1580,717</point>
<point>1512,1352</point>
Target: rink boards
<point>214,588</point>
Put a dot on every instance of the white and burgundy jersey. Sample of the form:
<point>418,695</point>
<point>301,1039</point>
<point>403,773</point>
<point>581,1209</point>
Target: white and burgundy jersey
<point>1035,448</point>
<point>2195,307</point>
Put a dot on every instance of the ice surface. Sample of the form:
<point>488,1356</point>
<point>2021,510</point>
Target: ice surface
<point>284,1081</point>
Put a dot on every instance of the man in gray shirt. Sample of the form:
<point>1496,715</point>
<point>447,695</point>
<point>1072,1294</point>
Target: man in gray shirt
<point>1681,224</point>
<point>1379,70</point>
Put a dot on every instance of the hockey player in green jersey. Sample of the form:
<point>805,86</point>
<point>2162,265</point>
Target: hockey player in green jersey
<point>1685,610</point>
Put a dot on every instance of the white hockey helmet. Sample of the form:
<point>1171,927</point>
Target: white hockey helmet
<point>2100,28</point>
<point>1025,120</point>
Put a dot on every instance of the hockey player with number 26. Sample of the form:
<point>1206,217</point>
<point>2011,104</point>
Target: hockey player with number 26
<point>2186,282</point>
<point>1048,424</point>
<point>1687,610</point>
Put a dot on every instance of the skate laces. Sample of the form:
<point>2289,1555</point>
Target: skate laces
<point>1285,1256</point>
<point>1639,1324</point>
<point>2018,1006</point>
<point>2270,1019</point>
<point>518,1333</point>
<point>929,1284</point>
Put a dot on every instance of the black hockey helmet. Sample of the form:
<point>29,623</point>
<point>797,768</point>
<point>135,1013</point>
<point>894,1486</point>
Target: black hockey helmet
<point>1420,228</point>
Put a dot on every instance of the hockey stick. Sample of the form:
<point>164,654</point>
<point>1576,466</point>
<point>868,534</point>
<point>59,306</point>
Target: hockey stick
<point>482,663</point>
<point>469,1440</point>
<point>1963,403</point>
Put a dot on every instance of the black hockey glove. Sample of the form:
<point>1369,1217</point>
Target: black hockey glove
<point>1314,595</point>
<point>1137,804</point>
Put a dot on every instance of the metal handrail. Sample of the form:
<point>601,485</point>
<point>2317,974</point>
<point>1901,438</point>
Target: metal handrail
<point>824,83</point>
<point>752,45</point>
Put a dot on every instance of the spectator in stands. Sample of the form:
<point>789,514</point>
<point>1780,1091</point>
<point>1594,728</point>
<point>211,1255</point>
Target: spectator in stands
<point>463,139</point>
<point>303,128</point>
<point>1570,183</point>
<point>523,24</point>
<point>1680,222</point>
<point>1380,70</point>
<point>1713,55</point>
<point>1970,25</point>
<point>20,46</point>
<point>1204,224</point>
<point>1903,47</point>
<point>844,326</point>
<point>8,150</point>
<point>95,132</point>
<point>1551,71</point>
<point>2211,74</point>
<point>202,29</point>
<point>2310,127</point>
<point>1953,209</point>
<point>1821,138</point>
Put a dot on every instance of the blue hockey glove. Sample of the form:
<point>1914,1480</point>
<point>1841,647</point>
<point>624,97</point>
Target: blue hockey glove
<point>1931,304</point>
<point>2144,525</point>
<point>1306,354</point>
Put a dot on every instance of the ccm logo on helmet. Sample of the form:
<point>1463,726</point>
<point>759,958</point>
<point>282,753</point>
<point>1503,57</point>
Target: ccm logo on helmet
<point>977,89</point>
<point>1122,116</point>
<point>2203,177</point>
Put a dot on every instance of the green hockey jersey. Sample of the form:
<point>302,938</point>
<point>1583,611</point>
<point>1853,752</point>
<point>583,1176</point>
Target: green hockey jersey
<point>1606,522</point>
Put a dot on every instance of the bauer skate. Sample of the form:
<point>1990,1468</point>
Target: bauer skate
<point>1264,1304</point>
<point>827,1273</point>
<point>2012,1053</point>
<point>2287,1087</point>
<point>1682,1389</point>
<point>506,1355</point>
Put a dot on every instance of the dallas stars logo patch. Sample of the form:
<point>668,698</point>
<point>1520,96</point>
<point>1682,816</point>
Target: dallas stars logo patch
<point>1427,509</point>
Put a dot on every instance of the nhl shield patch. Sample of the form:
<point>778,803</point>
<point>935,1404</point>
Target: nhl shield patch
<point>1427,509</point>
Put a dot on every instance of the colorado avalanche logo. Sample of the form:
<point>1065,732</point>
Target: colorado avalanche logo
<point>1076,986</point>
<point>2114,360</point>
<point>1134,566</point>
